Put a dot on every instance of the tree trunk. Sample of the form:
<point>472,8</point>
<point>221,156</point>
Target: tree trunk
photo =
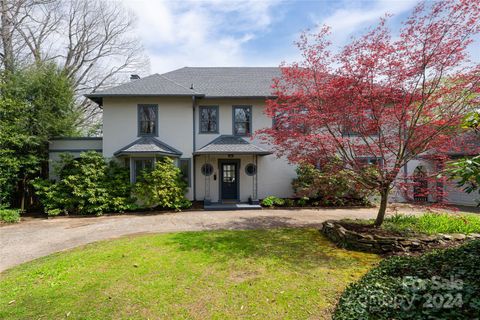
<point>6,36</point>
<point>382,209</point>
<point>22,195</point>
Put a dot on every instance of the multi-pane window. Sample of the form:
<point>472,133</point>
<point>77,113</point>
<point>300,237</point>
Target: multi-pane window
<point>208,119</point>
<point>229,172</point>
<point>184,165</point>
<point>141,166</point>
<point>356,126</point>
<point>242,120</point>
<point>278,120</point>
<point>365,161</point>
<point>295,120</point>
<point>147,120</point>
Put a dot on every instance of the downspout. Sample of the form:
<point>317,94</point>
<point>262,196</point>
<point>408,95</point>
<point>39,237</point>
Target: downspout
<point>194,149</point>
<point>405,167</point>
<point>256,179</point>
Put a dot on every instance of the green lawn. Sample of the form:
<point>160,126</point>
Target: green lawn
<point>430,223</point>
<point>274,274</point>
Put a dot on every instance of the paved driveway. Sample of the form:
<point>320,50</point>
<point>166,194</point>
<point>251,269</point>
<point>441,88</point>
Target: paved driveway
<point>35,238</point>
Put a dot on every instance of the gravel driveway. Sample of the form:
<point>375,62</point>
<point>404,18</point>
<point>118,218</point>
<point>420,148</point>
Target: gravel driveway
<point>36,238</point>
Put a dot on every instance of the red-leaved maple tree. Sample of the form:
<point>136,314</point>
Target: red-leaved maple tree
<point>380,101</point>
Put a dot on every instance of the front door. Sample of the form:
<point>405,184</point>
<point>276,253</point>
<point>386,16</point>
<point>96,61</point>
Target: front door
<point>229,182</point>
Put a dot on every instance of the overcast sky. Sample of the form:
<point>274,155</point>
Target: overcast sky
<point>250,32</point>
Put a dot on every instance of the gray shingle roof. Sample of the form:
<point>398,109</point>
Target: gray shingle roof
<point>211,82</point>
<point>227,82</point>
<point>148,145</point>
<point>231,144</point>
<point>153,85</point>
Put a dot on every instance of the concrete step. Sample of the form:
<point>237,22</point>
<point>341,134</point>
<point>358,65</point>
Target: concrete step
<point>231,206</point>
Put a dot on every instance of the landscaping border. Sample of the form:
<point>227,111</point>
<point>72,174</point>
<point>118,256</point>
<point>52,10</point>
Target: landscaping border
<point>349,239</point>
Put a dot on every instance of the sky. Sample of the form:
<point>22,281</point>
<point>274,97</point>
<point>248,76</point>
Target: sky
<point>179,33</point>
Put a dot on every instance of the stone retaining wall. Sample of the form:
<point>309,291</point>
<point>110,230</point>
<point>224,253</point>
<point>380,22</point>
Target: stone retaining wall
<point>353,240</point>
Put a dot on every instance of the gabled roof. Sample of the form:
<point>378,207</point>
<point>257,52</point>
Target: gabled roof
<point>148,145</point>
<point>153,85</point>
<point>213,82</point>
<point>232,145</point>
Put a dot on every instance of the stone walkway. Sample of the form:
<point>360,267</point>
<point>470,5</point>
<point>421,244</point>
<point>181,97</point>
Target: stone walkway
<point>34,238</point>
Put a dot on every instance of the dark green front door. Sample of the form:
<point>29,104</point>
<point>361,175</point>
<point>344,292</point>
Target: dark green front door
<point>229,180</point>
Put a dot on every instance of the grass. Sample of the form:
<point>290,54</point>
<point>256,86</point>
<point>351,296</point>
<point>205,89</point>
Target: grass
<point>274,274</point>
<point>431,223</point>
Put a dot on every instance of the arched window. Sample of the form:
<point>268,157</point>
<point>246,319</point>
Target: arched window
<point>420,187</point>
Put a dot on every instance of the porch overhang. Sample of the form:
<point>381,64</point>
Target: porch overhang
<point>264,153</point>
<point>148,146</point>
<point>227,144</point>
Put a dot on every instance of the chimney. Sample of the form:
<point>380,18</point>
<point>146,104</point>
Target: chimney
<point>134,77</point>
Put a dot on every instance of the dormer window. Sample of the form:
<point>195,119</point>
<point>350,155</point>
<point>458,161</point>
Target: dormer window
<point>147,120</point>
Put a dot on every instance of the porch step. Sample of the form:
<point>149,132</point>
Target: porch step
<point>231,206</point>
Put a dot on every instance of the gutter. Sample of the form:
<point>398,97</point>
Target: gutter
<point>193,153</point>
<point>98,97</point>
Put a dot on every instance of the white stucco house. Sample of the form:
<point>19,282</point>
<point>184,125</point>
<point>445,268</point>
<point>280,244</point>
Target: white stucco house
<point>204,118</point>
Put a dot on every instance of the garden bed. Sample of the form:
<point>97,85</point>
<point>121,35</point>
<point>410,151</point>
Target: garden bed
<point>443,284</point>
<point>365,237</point>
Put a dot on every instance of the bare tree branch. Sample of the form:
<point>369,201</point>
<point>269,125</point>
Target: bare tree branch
<point>91,40</point>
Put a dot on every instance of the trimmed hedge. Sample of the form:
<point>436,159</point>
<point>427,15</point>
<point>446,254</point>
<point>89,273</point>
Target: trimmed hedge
<point>443,284</point>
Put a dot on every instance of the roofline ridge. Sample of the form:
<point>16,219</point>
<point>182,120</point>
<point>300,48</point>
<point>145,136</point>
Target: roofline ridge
<point>227,67</point>
<point>121,85</point>
<point>178,84</point>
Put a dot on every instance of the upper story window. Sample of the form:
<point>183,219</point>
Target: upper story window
<point>242,120</point>
<point>208,119</point>
<point>366,161</point>
<point>360,126</point>
<point>278,120</point>
<point>295,120</point>
<point>147,120</point>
